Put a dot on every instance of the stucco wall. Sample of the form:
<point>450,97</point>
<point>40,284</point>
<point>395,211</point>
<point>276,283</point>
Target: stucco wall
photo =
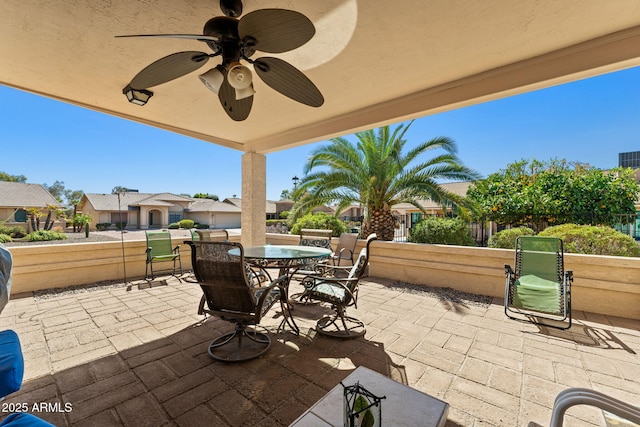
<point>602,284</point>
<point>606,285</point>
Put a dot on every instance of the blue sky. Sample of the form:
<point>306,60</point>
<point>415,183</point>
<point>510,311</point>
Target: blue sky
<point>589,121</point>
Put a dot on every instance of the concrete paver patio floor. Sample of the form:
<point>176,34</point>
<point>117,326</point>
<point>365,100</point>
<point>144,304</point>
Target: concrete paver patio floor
<point>138,358</point>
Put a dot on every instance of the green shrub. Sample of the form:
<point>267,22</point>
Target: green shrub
<point>202,226</point>
<point>4,238</point>
<point>103,226</point>
<point>174,226</point>
<point>16,232</point>
<point>80,220</point>
<point>506,239</point>
<point>186,223</point>
<point>447,231</point>
<point>319,221</point>
<point>43,235</point>
<point>593,240</point>
<point>121,225</point>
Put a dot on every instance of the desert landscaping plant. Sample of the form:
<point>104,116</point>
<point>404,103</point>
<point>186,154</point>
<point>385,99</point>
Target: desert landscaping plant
<point>45,235</point>
<point>187,224</point>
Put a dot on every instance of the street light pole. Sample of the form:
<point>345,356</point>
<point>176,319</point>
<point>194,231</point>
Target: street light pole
<point>295,180</point>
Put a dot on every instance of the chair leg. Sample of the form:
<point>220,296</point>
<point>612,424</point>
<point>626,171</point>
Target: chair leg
<point>240,345</point>
<point>340,325</point>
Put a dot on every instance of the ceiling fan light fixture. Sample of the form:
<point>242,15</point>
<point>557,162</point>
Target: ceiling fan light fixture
<point>137,96</point>
<point>245,92</point>
<point>212,79</point>
<point>239,76</point>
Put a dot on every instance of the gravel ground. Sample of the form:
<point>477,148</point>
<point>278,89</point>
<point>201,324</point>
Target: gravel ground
<point>445,294</point>
<point>98,236</point>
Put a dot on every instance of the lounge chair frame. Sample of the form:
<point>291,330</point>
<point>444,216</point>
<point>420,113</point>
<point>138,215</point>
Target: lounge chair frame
<point>161,249</point>
<point>543,259</point>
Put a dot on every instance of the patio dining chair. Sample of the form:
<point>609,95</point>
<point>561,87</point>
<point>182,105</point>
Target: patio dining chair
<point>318,238</point>
<point>345,249</point>
<point>161,249</point>
<point>212,235</point>
<point>229,295</point>
<point>539,289</point>
<point>341,293</point>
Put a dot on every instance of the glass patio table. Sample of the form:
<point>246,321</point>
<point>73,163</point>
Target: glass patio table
<point>286,258</point>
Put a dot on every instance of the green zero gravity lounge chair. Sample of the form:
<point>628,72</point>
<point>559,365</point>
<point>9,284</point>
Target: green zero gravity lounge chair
<point>539,288</point>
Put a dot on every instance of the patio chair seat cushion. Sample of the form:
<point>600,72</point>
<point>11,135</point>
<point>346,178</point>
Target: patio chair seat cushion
<point>22,419</point>
<point>11,363</point>
<point>273,297</point>
<point>538,294</point>
<point>328,292</point>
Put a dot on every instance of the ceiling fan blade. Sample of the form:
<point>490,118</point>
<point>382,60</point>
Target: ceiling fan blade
<point>237,109</point>
<point>198,37</point>
<point>276,30</point>
<point>288,80</point>
<point>168,68</point>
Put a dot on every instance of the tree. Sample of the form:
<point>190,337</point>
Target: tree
<point>56,190</point>
<point>120,189</point>
<point>286,194</point>
<point>376,173</point>
<point>539,193</point>
<point>206,196</point>
<point>73,199</point>
<point>12,178</point>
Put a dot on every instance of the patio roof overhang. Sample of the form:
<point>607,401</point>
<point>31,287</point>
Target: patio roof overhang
<point>376,62</point>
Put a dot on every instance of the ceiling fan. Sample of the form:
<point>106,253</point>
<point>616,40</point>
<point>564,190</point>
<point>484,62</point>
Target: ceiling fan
<point>236,39</point>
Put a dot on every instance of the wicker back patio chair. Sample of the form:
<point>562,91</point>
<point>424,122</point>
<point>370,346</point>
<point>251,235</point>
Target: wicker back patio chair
<point>340,292</point>
<point>230,296</point>
<point>161,249</point>
<point>539,288</point>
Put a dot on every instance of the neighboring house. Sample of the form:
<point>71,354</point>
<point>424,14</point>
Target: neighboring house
<point>355,212</point>
<point>17,198</point>
<point>431,207</point>
<point>271,210</point>
<point>145,210</point>
<point>274,208</point>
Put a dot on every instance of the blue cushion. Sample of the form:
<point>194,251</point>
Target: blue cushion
<point>24,420</point>
<point>11,363</point>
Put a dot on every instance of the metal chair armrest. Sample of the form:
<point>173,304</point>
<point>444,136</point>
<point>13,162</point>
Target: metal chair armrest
<point>266,290</point>
<point>508,270</point>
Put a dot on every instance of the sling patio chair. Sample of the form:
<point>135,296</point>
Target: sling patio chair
<point>210,235</point>
<point>160,249</point>
<point>539,290</point>
<point>230,296</point>
<point>340,292</point>
<point>345,249</point>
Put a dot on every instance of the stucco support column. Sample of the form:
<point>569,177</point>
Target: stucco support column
<point>254,199</point>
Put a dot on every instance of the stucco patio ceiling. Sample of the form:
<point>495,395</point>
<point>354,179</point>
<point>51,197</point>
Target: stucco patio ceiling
<point>375,61</point>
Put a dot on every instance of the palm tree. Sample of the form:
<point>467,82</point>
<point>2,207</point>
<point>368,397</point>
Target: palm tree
<point>377,174</point>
